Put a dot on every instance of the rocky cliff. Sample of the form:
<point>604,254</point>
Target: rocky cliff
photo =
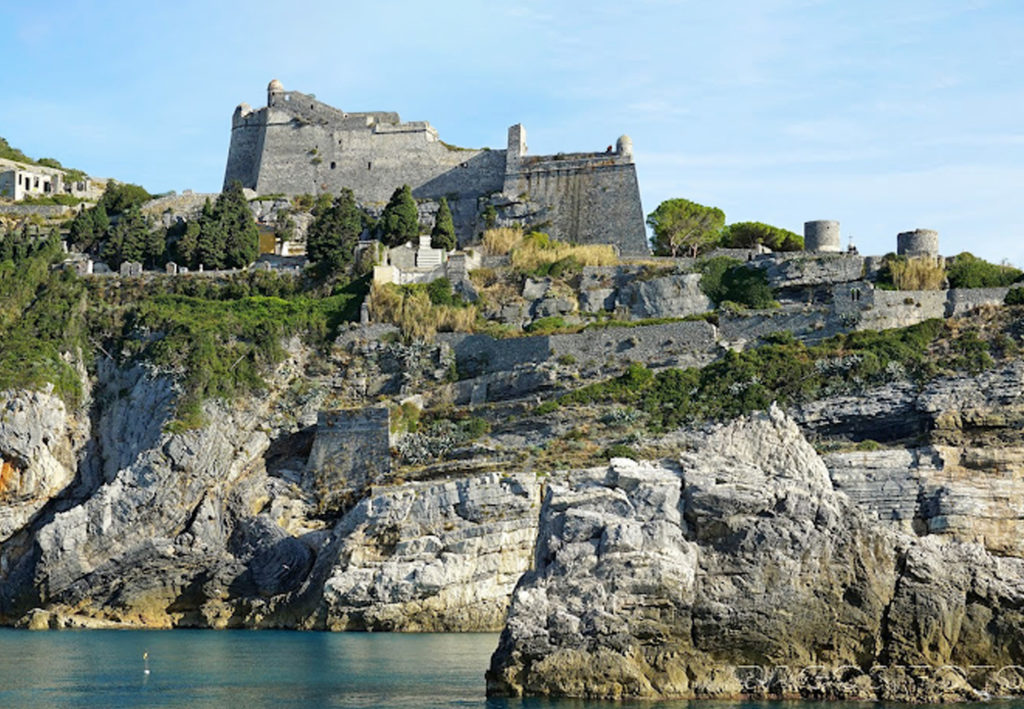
<point>740,569</point>
<point>745,561</point>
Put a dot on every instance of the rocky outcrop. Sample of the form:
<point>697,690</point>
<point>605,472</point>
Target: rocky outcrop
<point>741,570</point>
<point>38,441</point>
<point>211,527</point>
<point>431,556</point>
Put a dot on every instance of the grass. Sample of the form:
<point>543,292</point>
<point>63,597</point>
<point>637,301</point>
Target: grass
<point>415,314</point>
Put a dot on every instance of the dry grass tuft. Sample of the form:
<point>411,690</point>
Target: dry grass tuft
<point>499,241</point>
<point>411,310</point>
<point>537,249</point>
<point>922,273</point>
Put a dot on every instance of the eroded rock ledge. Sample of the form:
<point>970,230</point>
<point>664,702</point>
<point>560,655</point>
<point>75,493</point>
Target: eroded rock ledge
<point>740,570</point>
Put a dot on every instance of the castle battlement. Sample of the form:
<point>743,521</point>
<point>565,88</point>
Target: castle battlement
<point>297,144</point>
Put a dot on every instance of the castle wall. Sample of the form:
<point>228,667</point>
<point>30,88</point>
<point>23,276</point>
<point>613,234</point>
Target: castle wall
<point>593,199</point>
<point>247,131</point>
<point>351,450</point>
<point>669,344</point>
<point>299,145</point>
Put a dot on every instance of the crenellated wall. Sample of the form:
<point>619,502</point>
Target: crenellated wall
<point>298,145</point>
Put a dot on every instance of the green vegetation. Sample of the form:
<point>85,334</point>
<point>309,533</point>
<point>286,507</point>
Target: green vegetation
<point>1014,296</point>
<point>442,236</point>
<point>119,197</point>
<point>63,200</point>
<point>334,233</point>
<point>680,224</point>
<point>420,311</point>
<point>41,317</point>
<point>728,280</point>
<point>748,234</point>
<point>789,372</point>
<point>968,271</point>
<point>400,221</point>
<point>10,153</point>
<point>219,338</point>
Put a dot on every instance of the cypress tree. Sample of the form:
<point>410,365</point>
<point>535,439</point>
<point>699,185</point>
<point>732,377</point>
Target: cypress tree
<point>400,221</point>
<point>443,234</point>
<point>127,240</point>
<point>334,232</point>
<point>241,237</point>
<point>188,245</point>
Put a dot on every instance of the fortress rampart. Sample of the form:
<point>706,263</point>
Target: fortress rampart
<point>298,145</point>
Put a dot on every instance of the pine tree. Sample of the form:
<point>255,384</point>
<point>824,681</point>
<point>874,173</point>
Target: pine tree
<point>443,234</point>
<point>241,237</point>
<point>188,245</point>
<point>210,241</point>
<point>128,238</point>
<point>400,221</point>
<point>334,232</point>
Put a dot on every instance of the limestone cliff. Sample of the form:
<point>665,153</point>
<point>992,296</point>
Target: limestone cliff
<point>740,569</point>
<point>744,562</point>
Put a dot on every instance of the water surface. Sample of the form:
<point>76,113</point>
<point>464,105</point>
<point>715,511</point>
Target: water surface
<point>275,669</point>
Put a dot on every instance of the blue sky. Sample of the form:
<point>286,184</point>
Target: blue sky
<point>884,115</point>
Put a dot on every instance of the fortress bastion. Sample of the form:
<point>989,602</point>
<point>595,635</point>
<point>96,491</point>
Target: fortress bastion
<point>297,144</point>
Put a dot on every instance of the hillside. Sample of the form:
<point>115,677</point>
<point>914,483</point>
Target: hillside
<point>649,494</point>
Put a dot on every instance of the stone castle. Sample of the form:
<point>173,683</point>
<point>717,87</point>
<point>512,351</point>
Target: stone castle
<point>298,145</point>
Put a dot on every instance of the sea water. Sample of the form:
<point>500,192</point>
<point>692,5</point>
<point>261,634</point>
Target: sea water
<point>273,669</point>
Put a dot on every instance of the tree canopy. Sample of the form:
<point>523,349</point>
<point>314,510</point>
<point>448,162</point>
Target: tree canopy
<point>747,234</point>
<point>680,224</point>
<point>224,236</point>
<point>400,221</point>
<point>335,230</point>
<point>118,197</point>
<point>442,236</point>
<point>966,270</point>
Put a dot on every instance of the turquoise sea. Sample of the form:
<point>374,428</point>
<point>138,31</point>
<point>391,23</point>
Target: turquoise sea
<point>273,669</point>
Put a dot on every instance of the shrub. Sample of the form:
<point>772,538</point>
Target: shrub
<point>619,450</point>
<point>748,234</point>
<point>969,271</point>
<point>1014,296</point>
<point>411,309</point>
<point>536,253</point>
<point>747,286</point>
<point>712,270</point>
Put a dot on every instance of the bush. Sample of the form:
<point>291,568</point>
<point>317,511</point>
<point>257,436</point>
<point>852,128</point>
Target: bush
<point>725,280</point>
<point>969,271</point>
<point>1014,296</point>
<point>619,450</point>
<point>498,242</point>
<point>749,234</point>
<point>747,286</point>
<point>712,270</point>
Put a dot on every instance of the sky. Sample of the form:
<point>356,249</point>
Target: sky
<point>884,115</point>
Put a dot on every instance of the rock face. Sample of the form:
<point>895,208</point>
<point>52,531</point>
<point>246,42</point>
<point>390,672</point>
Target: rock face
<point>141,526</point>
<point>742,570</point>
<point>431,557</point>
<point>36,455</point>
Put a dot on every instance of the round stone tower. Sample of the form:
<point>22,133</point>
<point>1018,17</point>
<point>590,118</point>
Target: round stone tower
<point>273,88</point>
<point>919,242</point>
<point>822,236</point>
<point>624,146</point>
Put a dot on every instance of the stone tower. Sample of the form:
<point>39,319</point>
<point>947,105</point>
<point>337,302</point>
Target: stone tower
<point>822,236</point>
